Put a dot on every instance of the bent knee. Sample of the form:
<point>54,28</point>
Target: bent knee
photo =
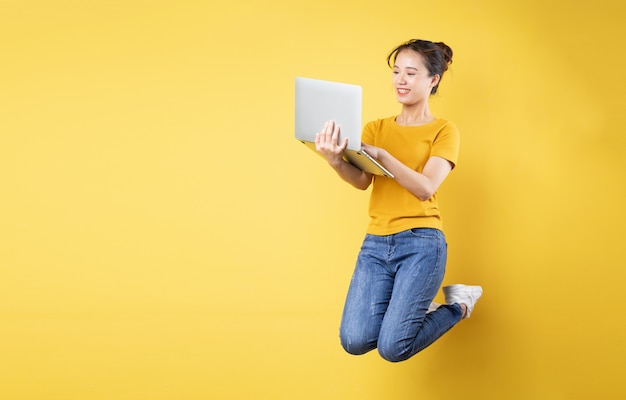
<point>356,345</point>
<point>394,356</point>
<point>394,351</point>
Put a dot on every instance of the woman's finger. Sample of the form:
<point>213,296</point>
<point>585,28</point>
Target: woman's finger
<point>344,144</point>
<point>328,129</point>
<point>335,134</point>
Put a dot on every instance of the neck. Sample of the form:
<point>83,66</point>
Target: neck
<point>417,115</point>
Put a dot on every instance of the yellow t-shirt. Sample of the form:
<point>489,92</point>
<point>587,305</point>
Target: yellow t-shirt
<point>392,208</point>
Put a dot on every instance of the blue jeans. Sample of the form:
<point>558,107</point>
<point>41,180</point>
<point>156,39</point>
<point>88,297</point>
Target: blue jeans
<point>395,280</point>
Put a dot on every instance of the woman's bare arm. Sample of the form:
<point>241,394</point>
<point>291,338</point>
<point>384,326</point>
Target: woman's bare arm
<point>423,185</point>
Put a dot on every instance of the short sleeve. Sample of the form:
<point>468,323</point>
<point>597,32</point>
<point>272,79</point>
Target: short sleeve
<point>446,144</point>
<point>368,134</point>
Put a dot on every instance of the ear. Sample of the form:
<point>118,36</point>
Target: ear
<point>434,80</point>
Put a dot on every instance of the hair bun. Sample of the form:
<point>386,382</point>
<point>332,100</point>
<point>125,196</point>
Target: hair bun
<point>446,50</point>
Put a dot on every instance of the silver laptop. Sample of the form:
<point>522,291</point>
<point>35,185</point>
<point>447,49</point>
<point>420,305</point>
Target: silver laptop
<point>319,101</point>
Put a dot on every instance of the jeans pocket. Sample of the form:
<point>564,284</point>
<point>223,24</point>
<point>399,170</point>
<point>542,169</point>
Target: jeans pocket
<point>425,233</point>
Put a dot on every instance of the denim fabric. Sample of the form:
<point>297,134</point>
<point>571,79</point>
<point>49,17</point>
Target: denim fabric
<point>395,280</point>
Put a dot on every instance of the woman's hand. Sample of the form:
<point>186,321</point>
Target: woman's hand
<point>373,151</point>
<point>327,143</point>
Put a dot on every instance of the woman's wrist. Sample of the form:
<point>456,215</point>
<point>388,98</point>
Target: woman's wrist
<point>335,163</point>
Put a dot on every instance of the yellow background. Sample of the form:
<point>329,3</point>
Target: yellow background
<point>163,236</point>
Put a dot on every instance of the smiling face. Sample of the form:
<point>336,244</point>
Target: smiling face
<point>412,81</point>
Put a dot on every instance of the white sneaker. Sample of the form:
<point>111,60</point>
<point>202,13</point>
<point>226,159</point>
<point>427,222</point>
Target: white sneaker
<point>463,294</point>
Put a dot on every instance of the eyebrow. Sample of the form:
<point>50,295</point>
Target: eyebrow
<point>395,66</point>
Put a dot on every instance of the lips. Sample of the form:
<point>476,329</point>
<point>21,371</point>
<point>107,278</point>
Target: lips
<point>403,91</point>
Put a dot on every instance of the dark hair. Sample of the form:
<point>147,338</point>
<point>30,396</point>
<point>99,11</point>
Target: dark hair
<point>437,56</point>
